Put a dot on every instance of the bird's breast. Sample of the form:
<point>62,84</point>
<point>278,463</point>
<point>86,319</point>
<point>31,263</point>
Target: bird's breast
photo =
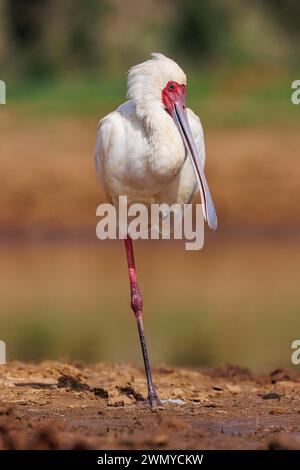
<point>166,151</point>
<point>142,163</point>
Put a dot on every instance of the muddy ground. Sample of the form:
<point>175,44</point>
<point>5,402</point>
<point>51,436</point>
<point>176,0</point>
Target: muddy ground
<point>63,405</point>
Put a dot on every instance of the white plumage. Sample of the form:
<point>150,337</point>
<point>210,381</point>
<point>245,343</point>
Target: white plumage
<point>139,150</point>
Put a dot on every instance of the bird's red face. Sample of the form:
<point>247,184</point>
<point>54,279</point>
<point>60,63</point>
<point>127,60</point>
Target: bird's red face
<point>173,97</point>
<point>173,93</point>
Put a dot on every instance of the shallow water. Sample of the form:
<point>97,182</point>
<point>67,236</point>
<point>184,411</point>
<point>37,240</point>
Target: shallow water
<point>236,301</point>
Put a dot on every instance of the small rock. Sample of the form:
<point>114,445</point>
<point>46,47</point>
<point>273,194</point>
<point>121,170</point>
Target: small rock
<point>160,440</point>
<point>235,389</point>
<point>71,383</point>
<point>278,411</point>
<point>130,393</point>
<point>271,396</point>
<point>100,392</point>
<point>200,398</point>
<point>117,400</point>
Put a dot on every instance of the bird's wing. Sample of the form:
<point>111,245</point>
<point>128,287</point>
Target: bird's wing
<point>102,144</point>
<point>111,140</point>
<point>104,140</point>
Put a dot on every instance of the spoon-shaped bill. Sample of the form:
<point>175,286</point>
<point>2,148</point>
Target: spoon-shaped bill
<point>181,119</point>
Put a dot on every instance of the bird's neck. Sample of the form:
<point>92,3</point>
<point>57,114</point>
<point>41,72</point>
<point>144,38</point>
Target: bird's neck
<point>166,149</point>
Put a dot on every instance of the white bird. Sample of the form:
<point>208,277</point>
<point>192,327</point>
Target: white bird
<point>141,152</point>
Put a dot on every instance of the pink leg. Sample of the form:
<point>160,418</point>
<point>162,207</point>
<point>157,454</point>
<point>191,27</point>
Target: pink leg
<point>137,307</point>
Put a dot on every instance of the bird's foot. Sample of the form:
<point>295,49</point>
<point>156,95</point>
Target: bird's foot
<point>155,402</point>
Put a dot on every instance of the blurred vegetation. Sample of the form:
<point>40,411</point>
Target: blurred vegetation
<point>199,29</point>
<point>47,37</point>
<point>71,55</point>
<point>42,38</point>
<point>287,14</point>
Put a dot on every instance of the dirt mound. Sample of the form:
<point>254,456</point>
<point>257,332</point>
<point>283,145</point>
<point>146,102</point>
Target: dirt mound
<point>55,405</point>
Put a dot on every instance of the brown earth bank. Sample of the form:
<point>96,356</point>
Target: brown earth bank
<point>67,405</point>
<point>49,180</point>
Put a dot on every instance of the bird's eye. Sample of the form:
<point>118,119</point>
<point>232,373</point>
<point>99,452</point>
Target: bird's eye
<point>171,86</point>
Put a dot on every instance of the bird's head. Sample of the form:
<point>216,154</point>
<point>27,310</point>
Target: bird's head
<point>157,85</point>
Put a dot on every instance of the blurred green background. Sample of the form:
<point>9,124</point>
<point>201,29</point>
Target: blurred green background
<point>63,293</point>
